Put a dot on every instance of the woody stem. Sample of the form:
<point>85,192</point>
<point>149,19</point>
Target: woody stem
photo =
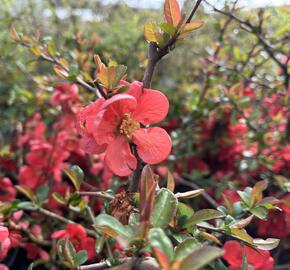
<point>155,54</point>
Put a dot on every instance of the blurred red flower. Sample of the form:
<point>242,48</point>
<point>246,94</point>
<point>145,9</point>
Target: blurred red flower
<point>233,254</point>
<point>7,190</point>
<point>5,242</point>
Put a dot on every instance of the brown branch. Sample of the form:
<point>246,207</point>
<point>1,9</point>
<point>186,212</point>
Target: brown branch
<point>217,50</point>
<point>98,89</point>
<point>204,194</point>
<point>56,217</point>
<point>256,31</point>
<point>147,263</point>
<point>155,54</point>
<point>100,194</point>
<point>94,266</point>
<point>30,236</point>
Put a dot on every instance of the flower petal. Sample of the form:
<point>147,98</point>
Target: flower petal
<point>89,145</point>
<point>119,158</point>
<point>152,106</point>
<point>135,89</point>
<point>120,104</point>
<point>153,144</point>
<point>105,126</point>
<point>110,116</point>
<point>87,116</point>
<point>59,234</point>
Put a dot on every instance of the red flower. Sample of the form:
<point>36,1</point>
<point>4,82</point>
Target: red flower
<point>5,242</point>
<point>233,254</point>
<point>7,191</point>
<point>78,236</point>
<point>3,267</point>
<point>114,124</point>
<point>65,94</point>
<point>35,252</point>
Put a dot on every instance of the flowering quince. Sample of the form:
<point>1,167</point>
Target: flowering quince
<point>233,254</point>
<point>277,223</point>
<point>7,191</point>
<point>78,236</point>
<point>34,130</point>
<point>111,125</point>
<point>3,267</point>
<point>65,94</point>
<point>5,242</point>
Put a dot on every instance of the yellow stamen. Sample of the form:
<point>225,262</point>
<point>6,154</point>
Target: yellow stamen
<point>128,126</point>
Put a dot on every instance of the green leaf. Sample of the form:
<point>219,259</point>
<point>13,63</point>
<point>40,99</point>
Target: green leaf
<point>151,32</point>
<point>73,72</point>
<point>164,209</point>
<point>66,252</point>
<point>259,211</point>
<point>198,258</point>
<point>120,72</point>
<point>203,215</point>
<point>184,212</point>
<point>242,234</point>
<point>80,258</point>
<point>185,248</point>
<point>245,195</point>
<point>268,244</point>
<point>42,193</point>
<point>111,76</point>
<point>111,226</point>
<point>161,245</point>
<point>189,194</point>
<point>27,192</point>
<point>76,175</point>
<point>51,48</point>
<point>100,244</point>
<point>58,198</point>
<point>31,266</point>
<point>168,28</point>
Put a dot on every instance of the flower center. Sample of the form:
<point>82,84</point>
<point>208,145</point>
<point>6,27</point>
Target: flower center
<point>128,126</point>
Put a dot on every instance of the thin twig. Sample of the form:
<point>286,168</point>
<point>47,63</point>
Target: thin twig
<point>100,194</point>
<point>248,27</point>
<point>94,266</point>
<point>30,236</point>
<point>57,217</point>
<point>204,194</point>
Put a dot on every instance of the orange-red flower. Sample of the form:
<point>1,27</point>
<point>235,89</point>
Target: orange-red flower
<point>78,236</point>
<point>233,254</point>
<point>115,124</point>
<point>5,242</point>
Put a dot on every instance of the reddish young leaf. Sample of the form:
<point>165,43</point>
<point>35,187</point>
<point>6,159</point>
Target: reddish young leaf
<point>257,192</point>
<point>189,27</point>
<point>172,12</point>
<point>170,181</point>
<point>100,65</point>
<point>147,193</point>
<point>162,258</point>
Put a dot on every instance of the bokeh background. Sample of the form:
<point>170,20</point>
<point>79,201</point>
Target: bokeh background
<point>228,86</point>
